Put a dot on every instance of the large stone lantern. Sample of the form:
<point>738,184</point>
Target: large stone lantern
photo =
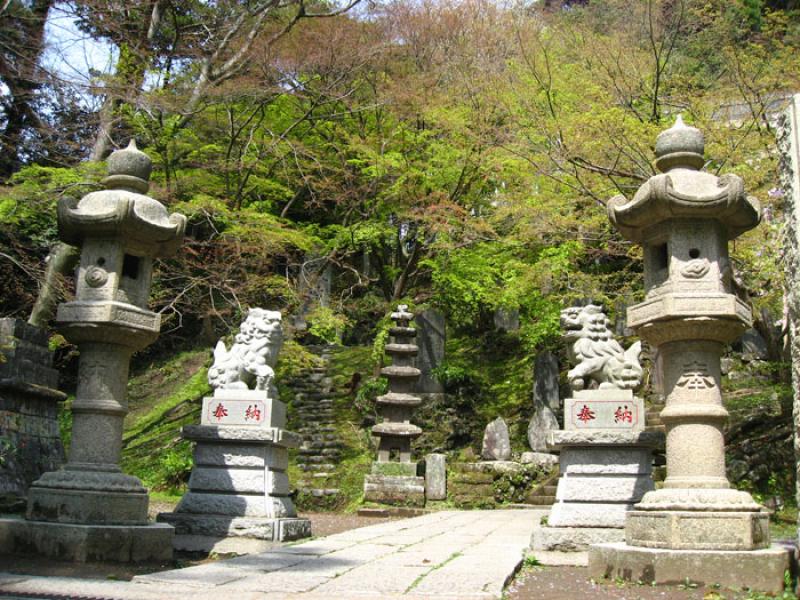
<point>119,230</point>
<point>684,219</point>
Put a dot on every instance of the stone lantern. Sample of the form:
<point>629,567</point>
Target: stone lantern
<point>394,476</point>
<point>119,230</point>
<point>684,219</point>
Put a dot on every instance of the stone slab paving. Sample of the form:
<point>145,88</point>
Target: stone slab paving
<point>447,555</point>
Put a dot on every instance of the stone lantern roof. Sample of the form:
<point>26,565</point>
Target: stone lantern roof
<point>122,211</point>
<point>683,191</point>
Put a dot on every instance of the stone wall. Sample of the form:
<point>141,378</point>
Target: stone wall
<point>30,441</point>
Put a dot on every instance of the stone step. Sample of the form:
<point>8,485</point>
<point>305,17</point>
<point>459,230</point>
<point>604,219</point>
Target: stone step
<point>316,467</point>
<point>325,414</point>
<point>320,492</point>
<point>541,500</point>
<point>312,405</point>
<point>316,444</point>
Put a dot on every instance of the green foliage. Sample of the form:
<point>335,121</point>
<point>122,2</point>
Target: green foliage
<point>368,391</point>
<point>65,421</point>
<point>7,450</point>
<point>175,466</point>
<point>510,488</point>
<point>28,205</point>
<point>163,398</point>
<point>326,325</point>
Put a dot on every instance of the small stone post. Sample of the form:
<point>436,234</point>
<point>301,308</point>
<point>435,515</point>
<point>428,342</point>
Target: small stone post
<point>90,502</point>
<point>394,476</point>
<point>684,219</point>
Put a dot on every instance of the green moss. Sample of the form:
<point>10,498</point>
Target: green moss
<point>394,469</point>
<point>164,398</point>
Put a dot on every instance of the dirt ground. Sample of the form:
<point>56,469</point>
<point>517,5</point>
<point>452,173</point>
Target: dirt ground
<point>322,524</point>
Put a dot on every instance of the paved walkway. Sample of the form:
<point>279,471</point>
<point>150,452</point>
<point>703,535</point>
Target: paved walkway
<point>446,555</point>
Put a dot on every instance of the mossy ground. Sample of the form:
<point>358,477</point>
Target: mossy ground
<point>163,398</point>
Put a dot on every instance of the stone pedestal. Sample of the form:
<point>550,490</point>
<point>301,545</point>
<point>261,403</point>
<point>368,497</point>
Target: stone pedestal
<point>29,400</point>
<point>603,475</point>
<point>238,486</point>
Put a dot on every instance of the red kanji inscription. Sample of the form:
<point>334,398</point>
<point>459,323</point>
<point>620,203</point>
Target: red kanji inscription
<point>253,413</point>
<point>220,412</point>
<point>586,414</point>
<point>623,414</point>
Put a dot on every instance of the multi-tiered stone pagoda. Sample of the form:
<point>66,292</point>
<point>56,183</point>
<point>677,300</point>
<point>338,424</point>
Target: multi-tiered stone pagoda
<point>394,476</point>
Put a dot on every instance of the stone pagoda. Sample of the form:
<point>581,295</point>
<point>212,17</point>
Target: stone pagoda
<point>394,476</point>
<point>605,455</point>
<point>696,527</point>
<point>239,486</point>
<point>90,509</point>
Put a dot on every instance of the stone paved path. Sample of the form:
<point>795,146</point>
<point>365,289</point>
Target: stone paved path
<point>447,555</point>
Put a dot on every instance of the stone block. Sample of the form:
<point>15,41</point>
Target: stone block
<point>101,507</point>
<point>604,409</point>
<point>213,433</point>
<point>616,488</point>
<point>241,455</point>
<point>244,481</point>
<point>218,526</point>
<point>236,505</point>
<point>573,539</point>
<point>761,570</point>
<point>598,514</point>
<point>648,439</point>
<point>479,489</point>
<point>435,477</point>
<point>81,543</point>
<point>394,469</point>
<point>698,530</point>
<point>406,491</point>
<point>604,460</point>
<point>540,459</point>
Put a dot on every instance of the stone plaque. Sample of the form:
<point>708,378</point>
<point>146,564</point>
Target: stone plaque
<point>604,409</point>
<point>242,407</point>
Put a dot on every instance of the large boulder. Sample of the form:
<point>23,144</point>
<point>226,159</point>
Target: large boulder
<point>496,442</point>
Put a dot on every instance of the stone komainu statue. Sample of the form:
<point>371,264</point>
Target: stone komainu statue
<point>595,353</point>
<point>251,360</point>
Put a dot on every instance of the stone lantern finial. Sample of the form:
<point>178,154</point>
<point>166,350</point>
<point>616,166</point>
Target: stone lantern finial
<point>129,168</point>
<point>680,146</point>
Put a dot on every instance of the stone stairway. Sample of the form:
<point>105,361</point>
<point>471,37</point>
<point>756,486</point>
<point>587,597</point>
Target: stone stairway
<point>544,495</point>
<point>312,416</point>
